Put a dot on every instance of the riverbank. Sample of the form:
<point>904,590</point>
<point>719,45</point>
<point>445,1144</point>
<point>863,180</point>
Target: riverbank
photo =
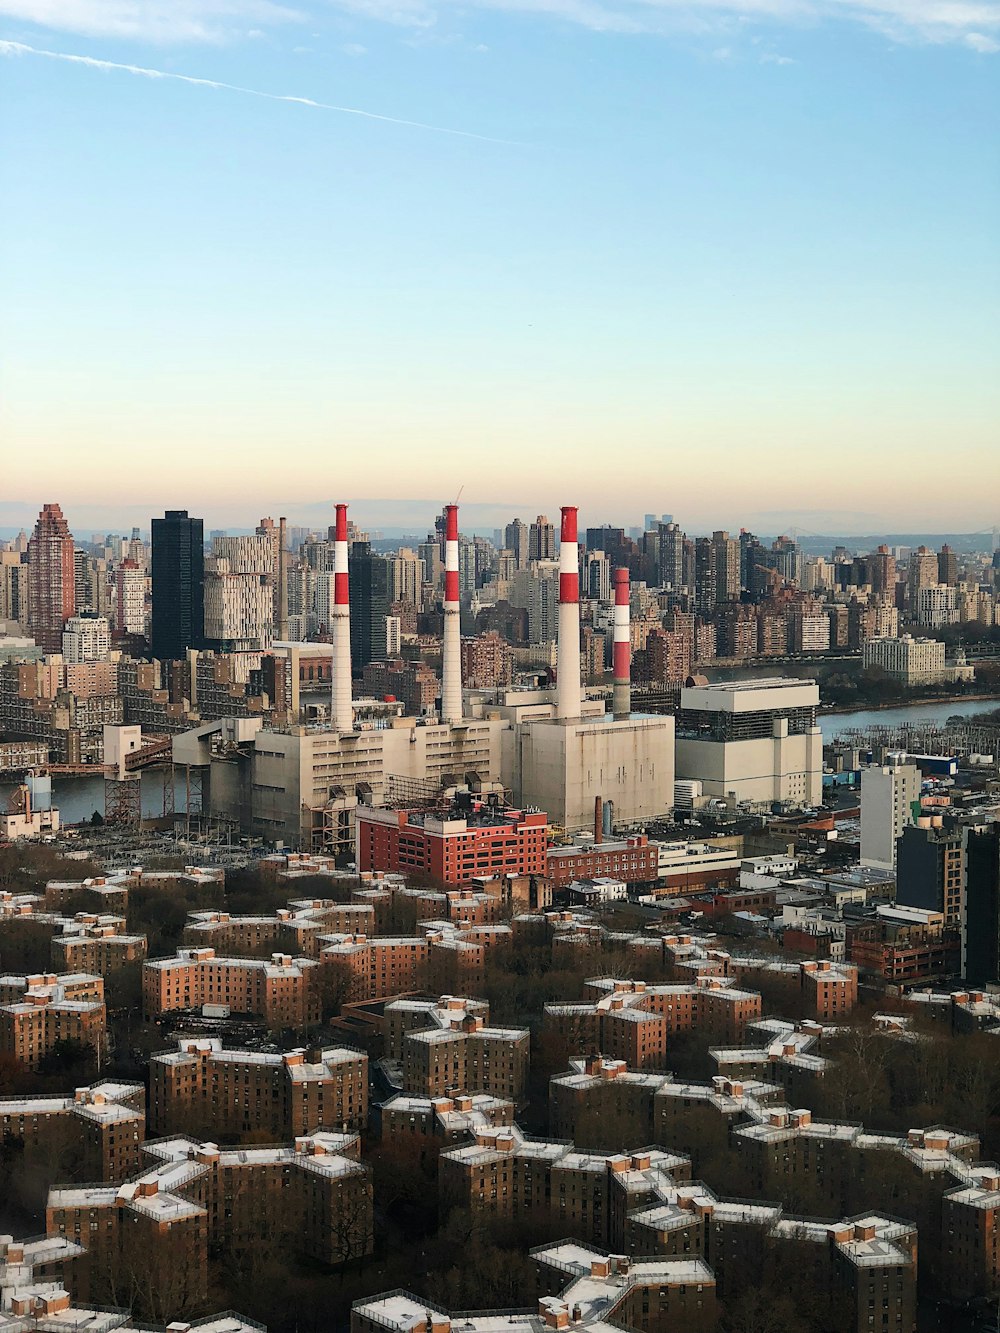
<point>943,701</point>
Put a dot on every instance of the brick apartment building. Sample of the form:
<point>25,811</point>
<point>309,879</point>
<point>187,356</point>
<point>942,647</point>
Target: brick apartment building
<point>454,849</point>
<point>281,990</point>
<point>634,1021</point>
<point>295,929</point>
<point>315,1196</point>
<point>578,1287</point>
<point>448,1046</point>
<point>39,1010</point>
<point>101,1128</point>
<point>587,1194</point>
<point>202,1086</point>
<point>88,942</point>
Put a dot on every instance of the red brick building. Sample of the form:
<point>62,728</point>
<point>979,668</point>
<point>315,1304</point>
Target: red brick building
<point>453,849</point>
<point>633,860</point>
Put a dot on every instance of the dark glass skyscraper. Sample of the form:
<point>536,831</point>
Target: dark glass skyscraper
<point>371,596</point>
<point>178,570</point>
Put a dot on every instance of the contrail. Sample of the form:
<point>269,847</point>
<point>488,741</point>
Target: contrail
<point>20,49</point>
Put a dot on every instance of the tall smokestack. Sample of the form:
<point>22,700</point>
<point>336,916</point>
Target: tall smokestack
<point>451,654</point>
<point>282,579</point>
<point>568,688</point>
<point>341,705</point>
<point>622,696</point>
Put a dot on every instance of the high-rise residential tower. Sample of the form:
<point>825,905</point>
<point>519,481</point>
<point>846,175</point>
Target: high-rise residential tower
<point>51,578</point>
<point>542,539</point>
<point>178,569</point>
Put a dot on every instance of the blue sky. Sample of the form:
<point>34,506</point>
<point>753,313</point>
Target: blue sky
<point>717,258</point>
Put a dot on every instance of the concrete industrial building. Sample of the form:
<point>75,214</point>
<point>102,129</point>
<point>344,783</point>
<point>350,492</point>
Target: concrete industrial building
<point>559,754</point>
<point>753,740</point>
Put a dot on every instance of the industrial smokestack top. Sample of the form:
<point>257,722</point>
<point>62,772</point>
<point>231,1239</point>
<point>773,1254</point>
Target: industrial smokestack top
<point>451,648</point>
<point>568,682</point>
<point>622,663</point>
<point>341,702</point>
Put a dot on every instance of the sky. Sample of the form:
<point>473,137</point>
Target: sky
<point>736,260</point>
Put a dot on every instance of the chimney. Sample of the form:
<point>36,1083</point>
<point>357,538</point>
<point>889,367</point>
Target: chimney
<point>622,696</point>
<point>451,655</point>
<point>282,579</point>
<point>598,820</point>
<point>568,689</point>
<point>342,707</point>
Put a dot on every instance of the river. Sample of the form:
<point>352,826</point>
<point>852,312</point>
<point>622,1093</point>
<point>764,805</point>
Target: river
<point>938,711</point>
<point>76,798</point>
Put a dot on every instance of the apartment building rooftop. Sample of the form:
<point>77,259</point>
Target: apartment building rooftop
<point>103,1102</point>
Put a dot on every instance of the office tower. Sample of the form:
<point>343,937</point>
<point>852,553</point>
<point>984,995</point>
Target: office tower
<point>981,927</point>
<point>670,556</point>
<point>754,566</point>
<point>890,796</point>
<point>82,581</point>
<point>947,566</point>
<point>597,577</point>
<point>178,573</point>
<point>86,638</point>
<point>370,579</point>
<point>51,578</point>
<point>542,539</point>
<point>130,596</point>
<point>432,556</point>
<point>930,868</point>
<point>786,559</point>
<point>516,539</point>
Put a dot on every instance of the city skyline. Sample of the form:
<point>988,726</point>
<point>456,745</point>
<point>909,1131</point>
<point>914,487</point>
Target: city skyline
<point>743,252</point>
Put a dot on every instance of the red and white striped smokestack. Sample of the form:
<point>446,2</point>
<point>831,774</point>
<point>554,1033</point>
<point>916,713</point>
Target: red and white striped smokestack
<point>451,651</point>
<point>622,694</point>
<point>568,686</point>
<point>341,703</point>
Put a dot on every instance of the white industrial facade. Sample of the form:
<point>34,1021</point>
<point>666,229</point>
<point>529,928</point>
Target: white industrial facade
<point>754,740</point>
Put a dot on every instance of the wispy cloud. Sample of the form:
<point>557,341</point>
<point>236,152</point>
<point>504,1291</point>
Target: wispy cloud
<point>153,20</point>
<point>971,23</point>
<point>14,49</point>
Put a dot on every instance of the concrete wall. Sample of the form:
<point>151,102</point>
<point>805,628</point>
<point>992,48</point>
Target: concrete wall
<point>562,766</point>
<point>776,768</point>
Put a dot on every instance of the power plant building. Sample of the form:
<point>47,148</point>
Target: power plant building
<point>553,751</point>
<point>754,740</point>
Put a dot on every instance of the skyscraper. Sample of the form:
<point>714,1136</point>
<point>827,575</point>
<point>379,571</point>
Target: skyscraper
<point>178,569</point>
<point>542,539</point>
<point>670,556</point>
<point>370,583</point>
<point>51,578</point>
<point>515,539</point>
